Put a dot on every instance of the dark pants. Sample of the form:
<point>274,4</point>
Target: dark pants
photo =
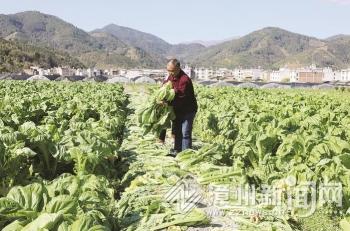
<point>163,132</point>
<point>183,131</point>
<point>162,135</point>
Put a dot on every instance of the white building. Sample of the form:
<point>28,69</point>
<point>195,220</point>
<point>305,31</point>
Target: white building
<point>293,76</point>
<point>65,71</point>
<point>297,75</point>
<point>275,76</point>
<point>209,73</point>
<point>345,75</point>
<point>204,73</point>
<point>223,73</point>
<point>81,72</point>
<point>329,74</point>
<point>266,76</point>
<point>90,72</point>
<point>284,75</point>
<point>41,71</point>
<point>256,74</point>
<point>238,74</point>
<point>247,74</point>
<point>337,75</point>
<point>189,71</point>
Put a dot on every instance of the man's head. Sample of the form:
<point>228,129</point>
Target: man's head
<point>173,67</point>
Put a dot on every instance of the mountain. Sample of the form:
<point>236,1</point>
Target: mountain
<point>117,52</point>
<point>336,37</point>
<point>212,42</point>
<point>135,38</point>
<point>271,48</point>
<point>152,44</point>
<point>46,30</point>
<point>16,56</point>
<point>340,47</point>
<point>182,51</point>
<point>41,29</point>
<point>123,47</point>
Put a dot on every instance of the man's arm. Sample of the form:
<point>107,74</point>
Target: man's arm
<point>181,92</point>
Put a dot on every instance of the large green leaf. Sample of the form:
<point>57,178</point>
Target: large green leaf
<point>8,206</point>
<point>345,160</point>
<point>14,226</point>
<point>32,197</point>
<point>45,221</point>
<point>84,223</point>
<point>62,204</point>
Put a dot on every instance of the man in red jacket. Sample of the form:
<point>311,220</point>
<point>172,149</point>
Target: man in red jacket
<point>185,106</point>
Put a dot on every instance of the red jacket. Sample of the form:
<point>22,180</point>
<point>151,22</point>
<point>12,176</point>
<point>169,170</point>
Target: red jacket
<point>185,101</point>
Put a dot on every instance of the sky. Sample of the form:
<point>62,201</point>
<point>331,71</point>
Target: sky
<point>188,20</point>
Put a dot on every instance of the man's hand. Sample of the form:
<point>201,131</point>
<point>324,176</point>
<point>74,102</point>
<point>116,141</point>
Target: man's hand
<point>163,103</point>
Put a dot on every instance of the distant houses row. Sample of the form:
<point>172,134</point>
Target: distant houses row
<point>310,74</point>
<point>99,78</point>
<point>149,80</point>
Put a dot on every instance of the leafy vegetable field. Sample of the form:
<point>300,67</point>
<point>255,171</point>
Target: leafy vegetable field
<point>277,138</point>
<point>59,146</point>
<point>74,156</point>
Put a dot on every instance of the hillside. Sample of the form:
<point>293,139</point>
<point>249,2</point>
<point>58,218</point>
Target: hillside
<point>46,30</point>
<point>152,44</point>
<point>117,53</point>
<point>266,48</point>
<point>123,47</point>
<point>15,56</point>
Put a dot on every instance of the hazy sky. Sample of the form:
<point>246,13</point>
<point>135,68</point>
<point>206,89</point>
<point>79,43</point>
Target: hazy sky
<point>187,20</point>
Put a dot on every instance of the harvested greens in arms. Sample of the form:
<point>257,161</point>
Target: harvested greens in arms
<point>158,114</point>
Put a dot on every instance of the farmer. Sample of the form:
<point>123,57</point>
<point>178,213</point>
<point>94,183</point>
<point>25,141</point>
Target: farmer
<point>185,106</point>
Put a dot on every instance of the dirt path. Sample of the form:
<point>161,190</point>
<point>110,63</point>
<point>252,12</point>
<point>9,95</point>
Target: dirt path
<point>146,159</point>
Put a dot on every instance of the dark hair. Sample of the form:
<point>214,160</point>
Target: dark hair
<point>175,62</point>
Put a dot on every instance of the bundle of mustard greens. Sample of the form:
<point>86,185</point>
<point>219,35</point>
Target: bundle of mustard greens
<point>156,116</point>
